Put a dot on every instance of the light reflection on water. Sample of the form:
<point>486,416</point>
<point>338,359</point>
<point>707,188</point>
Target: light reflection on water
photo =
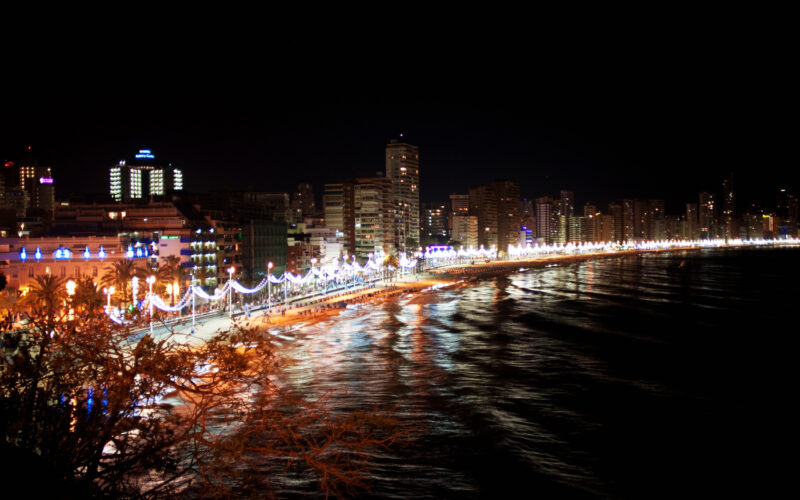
<point>586,379</point>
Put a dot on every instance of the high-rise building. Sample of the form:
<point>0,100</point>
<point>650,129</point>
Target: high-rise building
<point>368,223</point>
<point>402,168</point>
<point>465,230</point>
<point>605,230</point>
<point>509,219</point>
<point>728,226</point>
<point>435,223</point>
<point>143,178</point>
<point>706,216</point>
<point>483,205</point>
<point>337,202</point>
<point>528,215</point>
<point>303,204</point>
<point>558,223</point>
<point>568,211</point>
<point>648,221</point>
<point>623,213</point>
<point>35,181</point>
<point>497,207</point>
<point>544,208</point>
<point>691,221</point>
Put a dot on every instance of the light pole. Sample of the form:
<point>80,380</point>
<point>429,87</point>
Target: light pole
<point>230,291</point>
<point>269,286</point>
<point>192,302</point>
<point>314,261</point>
<point>70,292</point>
<point>108,292</point>
<point>150,280</point>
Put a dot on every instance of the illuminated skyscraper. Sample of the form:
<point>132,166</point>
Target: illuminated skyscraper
<point>544,210</point>
<point>729,229</point>
<point>402,167</point>
<point>706,216</point>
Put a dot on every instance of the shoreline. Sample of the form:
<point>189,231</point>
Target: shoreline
<point>460,275</point>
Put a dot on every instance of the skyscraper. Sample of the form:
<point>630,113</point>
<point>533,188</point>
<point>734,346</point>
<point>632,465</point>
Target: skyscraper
<point>544,210</point>
<point>402,168</point>
<point>729,228</point>
<point>691,221</point>
<point>435,223</point>
<point>706,216</point>
<point>337,202</point>
<point>623,213</point>
<point>483,205</point>
<point>303,203</point>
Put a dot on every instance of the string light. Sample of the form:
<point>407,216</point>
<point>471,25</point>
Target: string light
<point>349,269</point>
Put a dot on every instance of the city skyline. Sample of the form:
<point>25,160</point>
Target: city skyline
<point>601,139</point>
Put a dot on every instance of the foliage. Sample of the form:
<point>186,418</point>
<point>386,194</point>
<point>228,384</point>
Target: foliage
<point>88,298</point>
<point>171,271</point>
<point>3,281</point>
<point>119,275</point>
<point>104,410</point>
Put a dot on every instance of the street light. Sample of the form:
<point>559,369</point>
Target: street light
<point>230,290</point>
<point>193,294</point>
<point>314,261</point>
<point>109,291</point>
<point>269,286</point>
<point>150,280</point>
<point>70,288</point>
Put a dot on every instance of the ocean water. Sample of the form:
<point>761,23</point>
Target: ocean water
<point>657,375</point>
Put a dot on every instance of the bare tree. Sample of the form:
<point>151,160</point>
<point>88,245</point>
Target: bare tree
<point>109,411</point>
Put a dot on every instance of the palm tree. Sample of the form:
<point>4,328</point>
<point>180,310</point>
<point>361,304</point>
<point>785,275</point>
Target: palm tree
<point>171,271</point>
<point>87,295</point>
<point>46,295</point>
<point>390,260</point>
<point>119,274</point>
<point>201,275</point>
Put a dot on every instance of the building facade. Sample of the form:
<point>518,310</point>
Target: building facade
<point>143,178</point>
<point>402,168</point>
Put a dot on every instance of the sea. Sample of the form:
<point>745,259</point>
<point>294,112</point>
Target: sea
<point>643,376</point>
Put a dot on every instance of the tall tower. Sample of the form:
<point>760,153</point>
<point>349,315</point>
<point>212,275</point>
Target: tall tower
<point>544,208</point>
<point>707,216</point>
<point>402,167</point>
<point>729,228</point>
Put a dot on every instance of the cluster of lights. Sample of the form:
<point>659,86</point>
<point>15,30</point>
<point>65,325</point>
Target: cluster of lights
<point>519,251</point>
<point>335,270</point>
<point>346,269</point>
<point>138,252</point>
<point>61,253</point>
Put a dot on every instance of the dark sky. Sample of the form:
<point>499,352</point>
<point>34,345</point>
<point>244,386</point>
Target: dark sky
<point>662,110</point>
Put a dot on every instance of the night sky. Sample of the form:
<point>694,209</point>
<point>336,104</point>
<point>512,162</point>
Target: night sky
<point>661,111</point>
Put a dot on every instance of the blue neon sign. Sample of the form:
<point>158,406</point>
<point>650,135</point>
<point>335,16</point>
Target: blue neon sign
<point>145,153</point>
